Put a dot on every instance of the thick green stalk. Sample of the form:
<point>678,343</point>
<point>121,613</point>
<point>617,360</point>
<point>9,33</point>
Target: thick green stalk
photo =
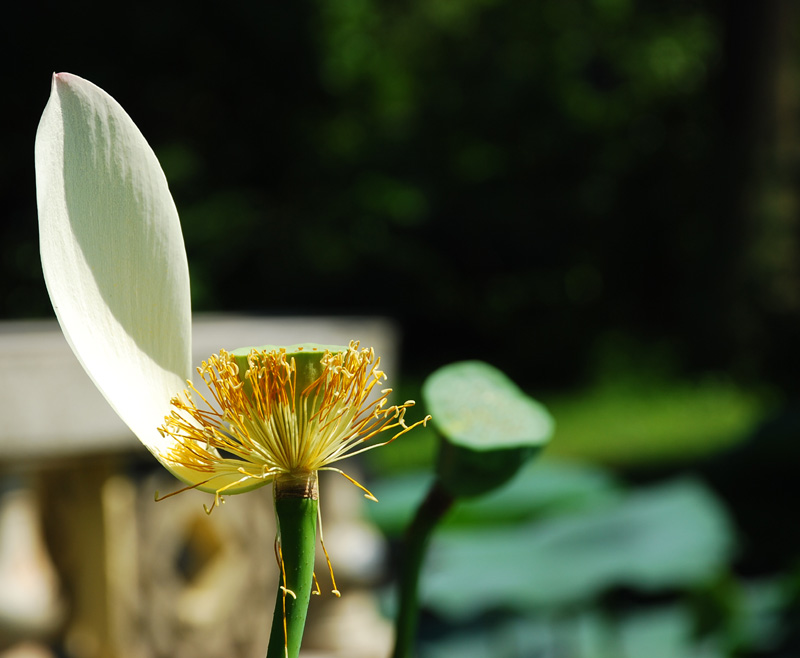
<point>296,508</point>
<point>418,535</point>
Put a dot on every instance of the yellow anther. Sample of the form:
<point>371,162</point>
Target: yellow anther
<point>286,590</point>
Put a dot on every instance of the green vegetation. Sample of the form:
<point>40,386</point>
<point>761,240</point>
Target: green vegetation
<point>674,422</point>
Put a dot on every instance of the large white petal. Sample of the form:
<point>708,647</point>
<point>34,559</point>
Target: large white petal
<point>113,257</point>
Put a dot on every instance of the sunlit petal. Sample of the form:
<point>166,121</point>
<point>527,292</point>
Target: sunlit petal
<point>113,256</point>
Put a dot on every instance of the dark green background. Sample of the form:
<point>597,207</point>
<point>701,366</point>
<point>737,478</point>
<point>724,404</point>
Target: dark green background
<point>530,183</point>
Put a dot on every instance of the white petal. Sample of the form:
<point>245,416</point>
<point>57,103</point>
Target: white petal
<point>113,256</point>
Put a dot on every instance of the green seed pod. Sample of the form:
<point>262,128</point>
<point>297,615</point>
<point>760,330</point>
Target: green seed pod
<point>488,426</point>
<point>307,356</point>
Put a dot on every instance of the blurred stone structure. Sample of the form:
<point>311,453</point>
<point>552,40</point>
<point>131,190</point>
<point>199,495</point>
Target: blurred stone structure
<point>92,567</point>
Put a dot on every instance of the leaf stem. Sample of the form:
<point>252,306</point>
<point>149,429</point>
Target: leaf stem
<point>430,512</point>
<point>296,502</point>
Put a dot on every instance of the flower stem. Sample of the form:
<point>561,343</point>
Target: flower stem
<point>418,535</point>
<point>296,508</point>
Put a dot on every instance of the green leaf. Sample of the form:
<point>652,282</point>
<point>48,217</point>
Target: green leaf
<point>541,489</point>
<point>662,632</point>
<point>671,536</point>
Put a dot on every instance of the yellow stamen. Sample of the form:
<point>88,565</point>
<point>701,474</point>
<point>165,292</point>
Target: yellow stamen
<point>257,424</point>
<point>335,591</point>
<point>274,419</point>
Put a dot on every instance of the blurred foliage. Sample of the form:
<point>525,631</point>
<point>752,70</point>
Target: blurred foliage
<point>568,560</point>
<point>538,492</point>
<point>672,536</point>
<point>626,424</point>
<point>565,544</point>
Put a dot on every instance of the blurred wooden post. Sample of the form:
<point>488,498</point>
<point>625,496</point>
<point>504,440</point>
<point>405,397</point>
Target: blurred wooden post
<point>73,519</point>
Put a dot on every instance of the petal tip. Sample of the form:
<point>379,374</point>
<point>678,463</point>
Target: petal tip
<point>66,79</point>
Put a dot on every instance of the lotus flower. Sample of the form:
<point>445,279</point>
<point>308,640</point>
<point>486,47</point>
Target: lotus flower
<point>116,271</point>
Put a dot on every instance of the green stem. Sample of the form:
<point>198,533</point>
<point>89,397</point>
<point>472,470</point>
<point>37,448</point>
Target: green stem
<point>418,535</point>
<point>296,508</point>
